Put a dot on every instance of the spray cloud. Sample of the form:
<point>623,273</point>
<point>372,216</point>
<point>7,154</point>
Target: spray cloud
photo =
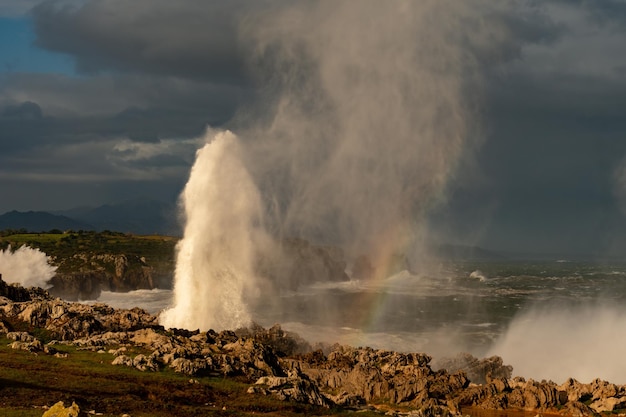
<point>558,342</point>
<point>26,266</point>
<point>365,111</point>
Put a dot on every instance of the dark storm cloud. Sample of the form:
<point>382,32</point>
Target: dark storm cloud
<point>554,127</point>
<point>155,73</point>
<point>606,12</point>
<point>190,39</point>
<point>62,110</point>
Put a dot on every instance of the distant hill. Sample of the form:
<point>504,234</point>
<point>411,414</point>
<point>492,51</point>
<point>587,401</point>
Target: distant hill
<point>40,221</point>
<point>138,216</point>
<point>142,217</point>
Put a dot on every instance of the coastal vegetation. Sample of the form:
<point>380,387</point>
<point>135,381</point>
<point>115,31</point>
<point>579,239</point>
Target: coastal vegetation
<point>156,250</point>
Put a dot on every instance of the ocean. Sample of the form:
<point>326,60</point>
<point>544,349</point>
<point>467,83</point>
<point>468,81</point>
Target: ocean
<point>548,319</point>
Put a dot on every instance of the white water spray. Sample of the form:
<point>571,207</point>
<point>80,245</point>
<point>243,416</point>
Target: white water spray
<point>223,225</point>
<point>583,342</point>
<point>364,113</point>
<point>26,266</point>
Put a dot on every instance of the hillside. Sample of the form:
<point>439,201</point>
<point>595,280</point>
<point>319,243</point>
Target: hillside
<point>139,216</point>
<point>89,262</point>
<point>37,221</point>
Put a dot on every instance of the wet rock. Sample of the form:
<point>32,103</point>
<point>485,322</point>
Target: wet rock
<point>14,293</point>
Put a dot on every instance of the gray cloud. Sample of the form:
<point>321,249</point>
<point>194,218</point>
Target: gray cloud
<point>191,39</point>
<point>545,86</point>
<point>13,8</point>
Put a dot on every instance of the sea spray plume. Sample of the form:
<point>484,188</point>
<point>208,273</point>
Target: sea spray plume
<point>223,226</point>
<point>365,111</point>
<point>584,341</point>
<point>374,105</point>
<point>26,266</point>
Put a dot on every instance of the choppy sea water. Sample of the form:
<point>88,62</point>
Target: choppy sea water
<point>549,319</point>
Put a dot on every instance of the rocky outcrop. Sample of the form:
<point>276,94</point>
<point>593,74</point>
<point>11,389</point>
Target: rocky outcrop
<point>272,362</point>
<point>479,371</point>
<point>282,342</point>
<point>90,274</point>
<point>288,264</point>
<point>294,387</point>
<point>14,292</point>
<point>69,321</point>
<point>601,396</point>
<point>366,375</point>
<point>78,285</point>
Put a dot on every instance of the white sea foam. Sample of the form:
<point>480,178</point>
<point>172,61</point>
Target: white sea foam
<point>477,274</point>
<point>153,301</point>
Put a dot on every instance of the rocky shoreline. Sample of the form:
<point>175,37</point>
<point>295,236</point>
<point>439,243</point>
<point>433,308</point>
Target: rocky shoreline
<point>277,363</point>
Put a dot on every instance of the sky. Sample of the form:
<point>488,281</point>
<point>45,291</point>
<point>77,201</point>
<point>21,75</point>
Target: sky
<point>105,101</point>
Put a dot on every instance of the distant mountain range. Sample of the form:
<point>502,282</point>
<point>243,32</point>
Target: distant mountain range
<point>145,217</point>
<point>136,216</point>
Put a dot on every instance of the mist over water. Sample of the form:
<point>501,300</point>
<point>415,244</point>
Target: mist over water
<point>364,116</point>
<point>373,106</point>
<point>556,342</point>
<point>548,320</point>
<point>26,266</point>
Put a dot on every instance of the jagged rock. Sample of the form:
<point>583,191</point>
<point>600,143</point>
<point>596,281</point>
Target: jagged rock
<point>76,286</point>
<point>69,321</point>
<point>602,396</point>
<point>123,360</point>
<point>603,405</point>
<point>13,292</point>
<point>190,366</point>
<point>603,389</point>
<point>93,273</point>
<point>479,371</point>
<point>145,363</point>
<point>283,343</point>
<point>347,376</point>
<point>20,336</point>
<point>59,410</point>
<point>295,387</point>
<point>34,346</point>
<point>254,358</point>
<point>141,362</point>
<point>380,375</point>
<point>577,409</point>
<point>345,399</point>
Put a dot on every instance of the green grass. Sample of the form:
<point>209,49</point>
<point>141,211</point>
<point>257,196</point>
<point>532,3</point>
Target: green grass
<point>158,251</point>
<point>29,381</point>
